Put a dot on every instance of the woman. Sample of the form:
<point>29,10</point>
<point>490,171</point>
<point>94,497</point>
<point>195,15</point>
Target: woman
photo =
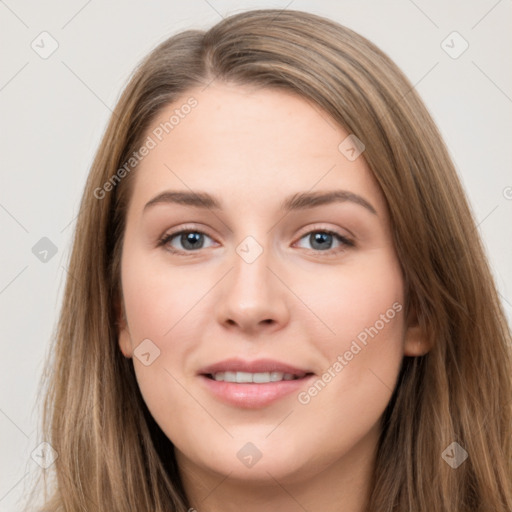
<point>278,298</point>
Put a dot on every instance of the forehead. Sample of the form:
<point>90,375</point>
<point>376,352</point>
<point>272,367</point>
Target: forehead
<point>245,143</point>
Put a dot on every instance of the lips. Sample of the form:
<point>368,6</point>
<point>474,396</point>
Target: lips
<point>252,384</point>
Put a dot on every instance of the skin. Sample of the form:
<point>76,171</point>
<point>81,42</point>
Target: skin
<point>251,148</point>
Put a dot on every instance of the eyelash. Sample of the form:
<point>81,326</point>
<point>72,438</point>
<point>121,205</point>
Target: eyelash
<point>346,242</point>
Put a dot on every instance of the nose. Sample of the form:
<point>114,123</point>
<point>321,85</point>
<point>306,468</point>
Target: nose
<point>252,298</point>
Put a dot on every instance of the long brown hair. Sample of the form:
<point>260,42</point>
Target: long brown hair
<point>113,456</point>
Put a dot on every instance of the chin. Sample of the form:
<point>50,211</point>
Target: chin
<point>258,460</point>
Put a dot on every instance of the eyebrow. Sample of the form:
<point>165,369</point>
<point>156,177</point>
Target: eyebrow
<point>298,201</point>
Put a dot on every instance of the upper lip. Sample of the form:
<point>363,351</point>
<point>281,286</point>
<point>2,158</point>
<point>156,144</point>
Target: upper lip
<point>256,366</point>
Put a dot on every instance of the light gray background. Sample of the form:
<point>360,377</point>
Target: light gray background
<point>54,111</point>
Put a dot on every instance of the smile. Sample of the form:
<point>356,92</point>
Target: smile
<point>252,384</point>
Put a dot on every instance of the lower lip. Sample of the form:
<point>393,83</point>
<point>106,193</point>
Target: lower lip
<point>251,395</point>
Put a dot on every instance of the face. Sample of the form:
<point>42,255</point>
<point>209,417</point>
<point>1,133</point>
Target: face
<point>262,294</point>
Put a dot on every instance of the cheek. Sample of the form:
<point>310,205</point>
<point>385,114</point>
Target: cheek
<point>157,298</point>
<point>158,305</point>
<point>162,305</point>
<point>355,300</point>
<point>363,347</point>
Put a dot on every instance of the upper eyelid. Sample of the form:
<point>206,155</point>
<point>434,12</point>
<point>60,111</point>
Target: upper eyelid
<point>317,227</point>
<point>186,229</point>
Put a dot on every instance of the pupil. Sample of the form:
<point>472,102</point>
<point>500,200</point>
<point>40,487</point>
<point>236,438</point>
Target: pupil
<point>321,238</point>
<point>189,240</point>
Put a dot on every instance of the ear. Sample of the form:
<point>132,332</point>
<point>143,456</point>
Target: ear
<point>123,334</point>
<point>416,342</point>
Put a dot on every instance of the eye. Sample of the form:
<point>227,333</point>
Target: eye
<point>187,241</point>
<point>322,240</point>
<point>192,240</point>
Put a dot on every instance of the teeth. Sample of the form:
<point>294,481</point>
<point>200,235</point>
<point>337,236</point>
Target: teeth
<point>257,378</point>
